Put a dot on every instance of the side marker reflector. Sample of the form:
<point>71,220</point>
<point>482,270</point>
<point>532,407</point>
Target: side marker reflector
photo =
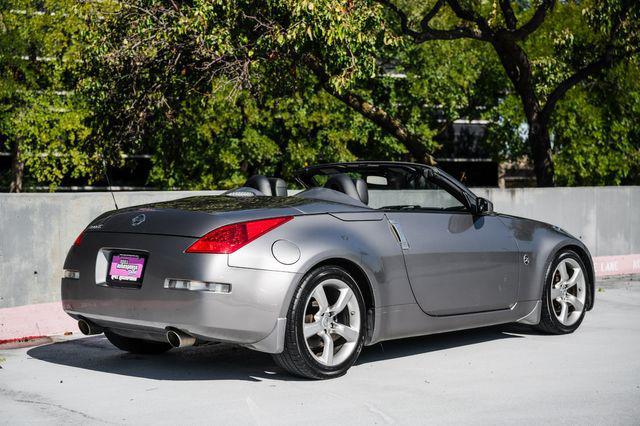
<point>71,274</point>
<point>175,284</point>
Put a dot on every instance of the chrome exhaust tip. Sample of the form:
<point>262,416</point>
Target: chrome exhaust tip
<point>178,339</point>
<point>88,328</point>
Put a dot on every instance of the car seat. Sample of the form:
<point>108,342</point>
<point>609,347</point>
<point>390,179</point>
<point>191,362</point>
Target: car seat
<point>355,188</point>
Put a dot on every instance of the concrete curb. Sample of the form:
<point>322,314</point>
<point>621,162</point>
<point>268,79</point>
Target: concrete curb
<point>41,319</point>
<point>48,319</point>
<point>606,266</point>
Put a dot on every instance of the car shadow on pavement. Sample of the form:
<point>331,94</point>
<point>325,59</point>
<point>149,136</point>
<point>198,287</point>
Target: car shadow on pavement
<point>208,362</point>
<point>438,342</point>
<point>229,362</point>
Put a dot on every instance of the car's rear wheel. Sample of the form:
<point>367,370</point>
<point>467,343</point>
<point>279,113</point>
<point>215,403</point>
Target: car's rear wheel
<point>325,325</point>
<point>565,294</point>
<point>136,346</point>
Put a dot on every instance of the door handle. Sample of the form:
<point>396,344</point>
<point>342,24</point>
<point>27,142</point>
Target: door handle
<point>397,231</point>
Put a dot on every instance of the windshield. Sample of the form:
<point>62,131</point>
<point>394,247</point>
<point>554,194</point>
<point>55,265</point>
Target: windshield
<point>382,176</point>
<point>411,186</point>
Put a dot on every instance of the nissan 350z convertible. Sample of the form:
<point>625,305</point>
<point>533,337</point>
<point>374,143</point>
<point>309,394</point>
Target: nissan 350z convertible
<point>312,278</point>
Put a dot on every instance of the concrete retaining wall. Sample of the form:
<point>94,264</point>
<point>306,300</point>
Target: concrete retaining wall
<point>36,230</point>
<point>606,219</point>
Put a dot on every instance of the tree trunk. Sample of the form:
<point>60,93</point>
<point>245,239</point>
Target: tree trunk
<point>518,68</point>
<point>540,143</point>
<point>17,169</point>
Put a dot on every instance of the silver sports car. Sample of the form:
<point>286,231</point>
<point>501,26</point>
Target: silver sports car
<point>313,277</point>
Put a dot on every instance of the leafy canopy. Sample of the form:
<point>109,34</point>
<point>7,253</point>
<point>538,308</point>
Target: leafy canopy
<point>218,90</point>
<point>42,117</point>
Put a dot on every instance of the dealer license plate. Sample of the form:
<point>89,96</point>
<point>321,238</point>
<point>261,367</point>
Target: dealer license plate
<point>126,269</point>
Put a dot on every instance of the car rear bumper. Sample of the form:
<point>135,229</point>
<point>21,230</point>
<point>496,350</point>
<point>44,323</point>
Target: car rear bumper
<point>251,314</point>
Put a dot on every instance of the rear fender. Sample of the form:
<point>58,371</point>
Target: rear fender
<point>319,238</point>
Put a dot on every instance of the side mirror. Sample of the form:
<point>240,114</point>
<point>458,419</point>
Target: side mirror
<point>483,206</point>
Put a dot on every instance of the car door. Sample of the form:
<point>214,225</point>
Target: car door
<point>457,262</point>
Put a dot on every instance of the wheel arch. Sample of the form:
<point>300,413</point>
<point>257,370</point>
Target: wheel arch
<point>364,283</point>
<point>360,277</point>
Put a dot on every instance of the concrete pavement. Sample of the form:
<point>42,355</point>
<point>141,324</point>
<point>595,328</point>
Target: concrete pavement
<point>493,375</point>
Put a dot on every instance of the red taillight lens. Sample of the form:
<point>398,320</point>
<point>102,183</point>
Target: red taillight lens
<point>78,240</point>
<point>230,238</point>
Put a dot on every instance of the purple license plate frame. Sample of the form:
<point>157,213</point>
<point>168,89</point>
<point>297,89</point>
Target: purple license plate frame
<point>126,269</point>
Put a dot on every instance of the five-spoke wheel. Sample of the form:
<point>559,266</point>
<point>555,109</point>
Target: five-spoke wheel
<point>331,324</point>
<point>565,294</point>
<point>325,325</point>
<point>568,291</point>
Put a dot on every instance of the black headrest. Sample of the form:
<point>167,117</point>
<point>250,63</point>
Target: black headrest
<point>363,191</point>
<point>278,187</point>
<point>416,181</point>
<point>259,182</point>
<point>343,183</point>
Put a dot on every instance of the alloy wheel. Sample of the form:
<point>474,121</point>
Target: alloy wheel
<point>331,323</point>
<point>568,292</point>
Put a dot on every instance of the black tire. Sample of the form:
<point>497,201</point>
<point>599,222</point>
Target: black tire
<point>296,358</point>
<point>136,346</point>
<point>548,321</point>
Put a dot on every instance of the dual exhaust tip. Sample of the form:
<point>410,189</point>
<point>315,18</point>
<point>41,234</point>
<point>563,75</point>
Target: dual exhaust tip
<point>176,338</point>
<point>88,328</point>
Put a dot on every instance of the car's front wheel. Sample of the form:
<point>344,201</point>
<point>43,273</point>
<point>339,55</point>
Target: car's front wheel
<point>564,298</point>
<point>325,325</point>
<point>136,346</point>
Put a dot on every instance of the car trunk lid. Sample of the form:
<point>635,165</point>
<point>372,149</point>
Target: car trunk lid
<point>193,216</point>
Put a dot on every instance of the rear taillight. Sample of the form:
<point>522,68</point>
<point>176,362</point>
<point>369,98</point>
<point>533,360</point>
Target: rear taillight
<point>78,240</point>
<point>230,238</point>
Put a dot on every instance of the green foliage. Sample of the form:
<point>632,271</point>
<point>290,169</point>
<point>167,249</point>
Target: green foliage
<point>150,57</point>
<point>597,141</point>
<point>220,143</point>
<point>217,90</point>
<point>40,114</point>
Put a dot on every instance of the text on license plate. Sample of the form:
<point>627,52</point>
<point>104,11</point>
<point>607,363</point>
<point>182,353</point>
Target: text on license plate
<point>126,268</point>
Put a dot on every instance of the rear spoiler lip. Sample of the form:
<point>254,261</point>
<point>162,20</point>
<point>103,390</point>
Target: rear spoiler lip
<point>111,231</point>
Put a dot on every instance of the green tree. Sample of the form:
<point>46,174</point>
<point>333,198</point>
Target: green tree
<point>41,116</point>
<point>160,51</point>
<point>189,115</point>
<point>596,139</point>
<point>151,56</point>
<point>219,142</point>
<point>585,38</point>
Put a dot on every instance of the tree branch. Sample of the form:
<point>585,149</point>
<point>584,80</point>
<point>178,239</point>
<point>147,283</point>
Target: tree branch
<point>426,19</point>
<point>536,20</point>
<point>452,34</point>
<point>469,16</point>
<point>427,33</point>
<point>378,116</point>
<point>607,59</point>
<point>404,20</point>
<point>581,75</point>
<point>509,16</point>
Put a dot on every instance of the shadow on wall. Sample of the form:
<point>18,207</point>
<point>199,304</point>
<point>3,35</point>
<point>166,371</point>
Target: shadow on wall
<point>229,362</point>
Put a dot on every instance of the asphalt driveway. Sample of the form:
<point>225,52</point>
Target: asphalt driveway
<point>492,375</point>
